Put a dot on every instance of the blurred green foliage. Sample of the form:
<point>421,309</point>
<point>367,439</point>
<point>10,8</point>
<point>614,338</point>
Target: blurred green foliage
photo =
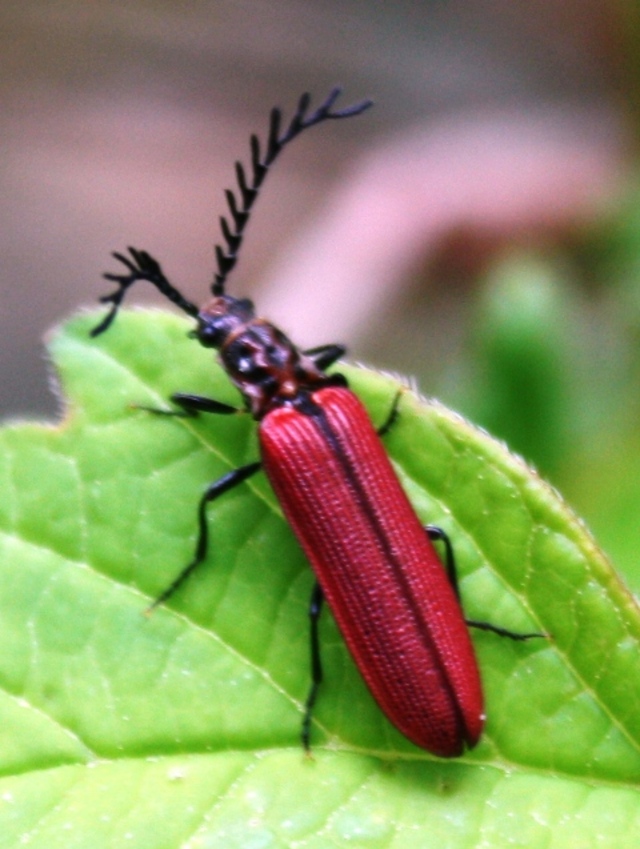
<point>552,366</point>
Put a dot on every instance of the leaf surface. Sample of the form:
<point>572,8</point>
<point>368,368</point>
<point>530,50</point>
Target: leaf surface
<point>182,729</point>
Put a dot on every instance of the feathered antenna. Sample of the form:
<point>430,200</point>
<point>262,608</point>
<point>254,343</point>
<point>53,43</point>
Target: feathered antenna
<point>240,207</point>
<point>140,265</point>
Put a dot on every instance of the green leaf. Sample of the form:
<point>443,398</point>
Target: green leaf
<point>182,729</point>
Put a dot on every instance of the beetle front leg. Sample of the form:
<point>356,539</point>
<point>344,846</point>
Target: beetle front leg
<point>194,404</point>
<point>325,355</point>
<point>191,405</point>
<point>315,609</point>
<point>213,491</point>
<point>392,414</point>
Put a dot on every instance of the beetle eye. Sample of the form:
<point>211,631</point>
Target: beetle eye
<point>209,334</point>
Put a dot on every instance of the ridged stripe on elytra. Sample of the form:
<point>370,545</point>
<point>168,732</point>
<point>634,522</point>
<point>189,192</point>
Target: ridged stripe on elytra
<point>397,572</point>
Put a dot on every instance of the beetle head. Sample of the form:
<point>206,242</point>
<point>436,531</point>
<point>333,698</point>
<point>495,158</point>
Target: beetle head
<point>220,317</point>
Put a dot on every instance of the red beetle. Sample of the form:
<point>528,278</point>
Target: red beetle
<point>396,605</point>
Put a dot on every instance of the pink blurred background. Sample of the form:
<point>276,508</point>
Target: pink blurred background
<point>494,122</point>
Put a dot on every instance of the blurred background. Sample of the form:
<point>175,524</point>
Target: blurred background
<point>479,229</point>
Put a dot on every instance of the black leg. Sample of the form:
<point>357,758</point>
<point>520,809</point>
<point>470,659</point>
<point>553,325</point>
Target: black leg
<point>212,492</point>
<point>315,609</point>
<point>192,405</point>
<point>502,632</point>
<point>392,415</point>
<point>325,355</point>
<point>437,534</point>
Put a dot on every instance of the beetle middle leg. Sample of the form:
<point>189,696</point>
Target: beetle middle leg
<point>213,491</point>
<point>392,415</point>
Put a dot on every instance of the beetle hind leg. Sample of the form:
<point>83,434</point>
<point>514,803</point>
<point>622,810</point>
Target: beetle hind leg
<point>436,534</point>
<point>315,609</point>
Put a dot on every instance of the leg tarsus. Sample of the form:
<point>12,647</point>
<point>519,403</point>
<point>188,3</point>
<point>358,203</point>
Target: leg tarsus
<point>157,411</point>
<point>503,632</point>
